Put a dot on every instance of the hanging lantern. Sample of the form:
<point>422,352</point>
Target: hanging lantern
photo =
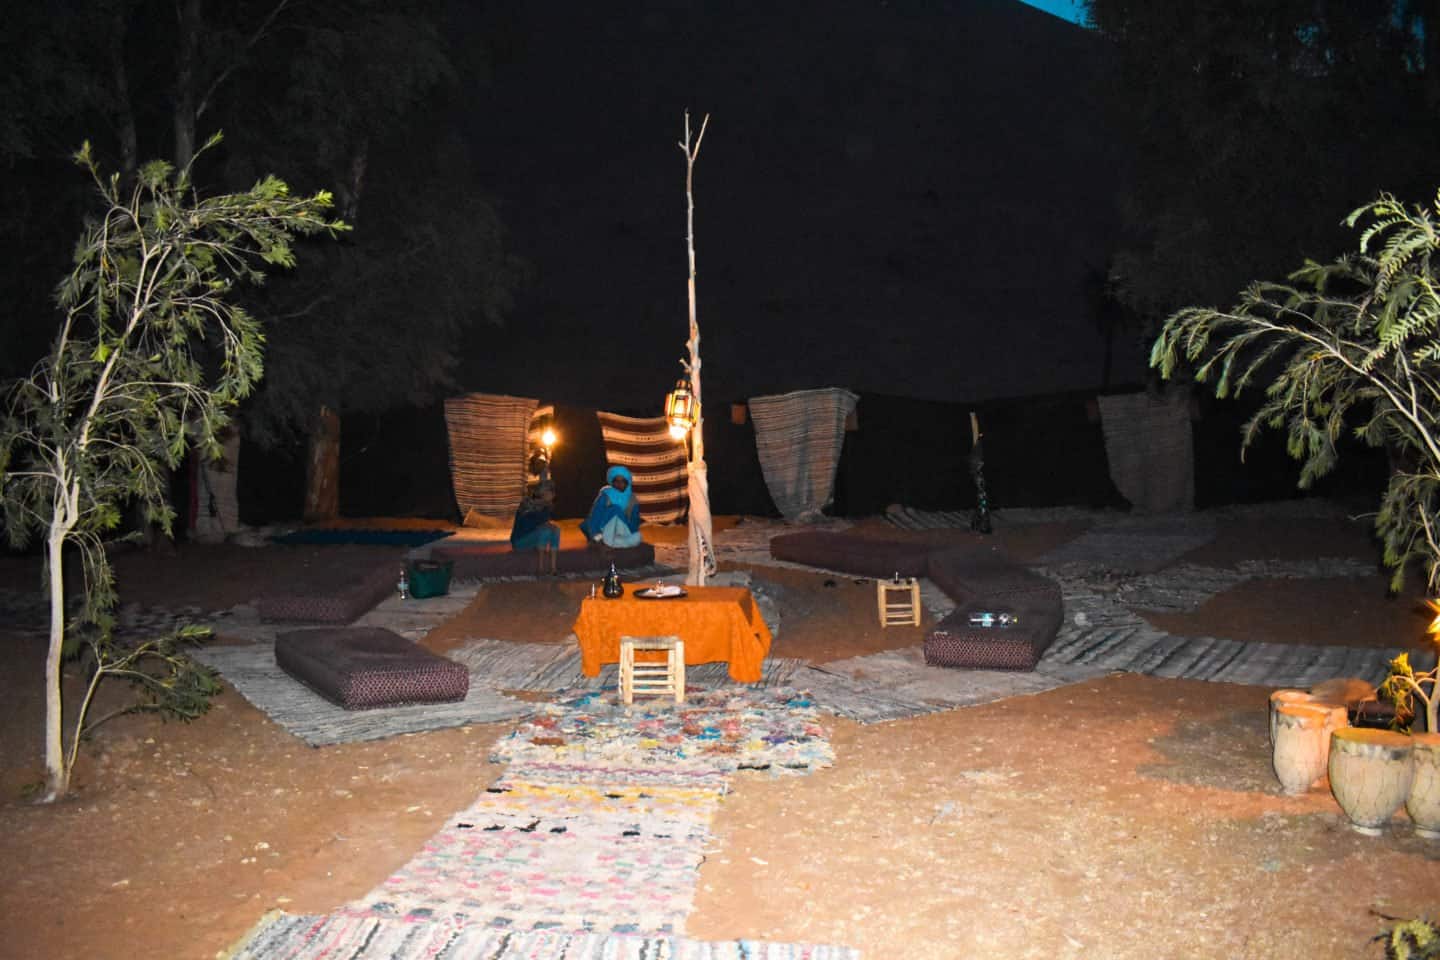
<point>548,439</point>
<point>681,409</point>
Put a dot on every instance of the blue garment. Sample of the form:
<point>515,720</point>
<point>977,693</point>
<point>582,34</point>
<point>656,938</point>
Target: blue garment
<point>532,528</point>
<point>614,505</point>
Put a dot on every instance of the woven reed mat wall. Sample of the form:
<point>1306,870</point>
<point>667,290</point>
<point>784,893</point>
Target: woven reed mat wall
<point>655,459</point>
<point>798,437</point>
<point>1151,450</point>
<point>216,509</point>
<point>487,435</point>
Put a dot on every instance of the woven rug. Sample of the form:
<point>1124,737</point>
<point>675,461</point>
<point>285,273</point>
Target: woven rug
<point>655,459</point>
<point>549,667</point>
<point>553,857</point>
<point>488,454</point>
<point>1140,546</point>
<point>251,670</point>
<point>340,535</point>
<point>718,730</point>
<point>286,937</point>
<point>896,684</point>
<point>798,437</point>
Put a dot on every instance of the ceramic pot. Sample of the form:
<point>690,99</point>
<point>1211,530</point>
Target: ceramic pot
<point>1370,775</point>
<point>1423,803</point>
<point>1285,696</point>
<point>1296,756</point>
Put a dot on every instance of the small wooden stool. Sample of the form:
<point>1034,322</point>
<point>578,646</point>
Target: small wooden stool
<point>664,679</point>
<point>898,602</point>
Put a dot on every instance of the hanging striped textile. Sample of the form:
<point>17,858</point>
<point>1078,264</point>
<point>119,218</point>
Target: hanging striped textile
<point>656,461</point>
<point>798,437</point>
<point>542,417</point>
<point>488,454</point>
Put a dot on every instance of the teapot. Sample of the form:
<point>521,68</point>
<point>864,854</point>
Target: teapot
<point>611,587</point>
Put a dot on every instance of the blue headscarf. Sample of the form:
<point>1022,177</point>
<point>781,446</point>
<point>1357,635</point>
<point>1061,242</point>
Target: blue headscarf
<point>619,500</point>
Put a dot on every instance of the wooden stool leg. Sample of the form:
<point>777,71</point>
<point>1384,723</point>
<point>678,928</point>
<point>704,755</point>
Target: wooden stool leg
<point>678,675</point>
<point>880,600</point>
<point>627,671</point>
<point>915,601</point>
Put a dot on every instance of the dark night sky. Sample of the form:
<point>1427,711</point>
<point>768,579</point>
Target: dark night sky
<point>899,198</point>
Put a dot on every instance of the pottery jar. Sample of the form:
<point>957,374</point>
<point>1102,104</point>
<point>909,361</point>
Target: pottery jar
<point>1423,803</point>
<point>1370,775</point>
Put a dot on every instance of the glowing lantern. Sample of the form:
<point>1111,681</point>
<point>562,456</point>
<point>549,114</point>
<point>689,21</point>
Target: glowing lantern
<point>681,409</point>
<point>548,439</point>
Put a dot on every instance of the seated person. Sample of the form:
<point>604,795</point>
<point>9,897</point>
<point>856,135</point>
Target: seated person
<point>534,529</point>
<point>614,519</point>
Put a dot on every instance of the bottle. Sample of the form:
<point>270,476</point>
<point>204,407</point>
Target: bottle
<point>612,588</point>
<point>404,584</point>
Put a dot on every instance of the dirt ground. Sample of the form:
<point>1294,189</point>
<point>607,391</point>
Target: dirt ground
<point>1127,817</point>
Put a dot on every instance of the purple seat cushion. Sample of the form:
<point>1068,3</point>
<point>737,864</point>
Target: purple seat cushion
<point>342,605</point>
<point>955,642</point>
<point>480,560</point>
<point>969,575</point>
<point>866,556</point>
<point>362,667</point>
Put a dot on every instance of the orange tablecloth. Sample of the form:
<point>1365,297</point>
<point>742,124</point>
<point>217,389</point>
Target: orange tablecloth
<point>716,623</point>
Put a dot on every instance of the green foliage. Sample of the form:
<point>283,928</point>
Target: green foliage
<point>1344,347</point>
<point>1403,686</point>
<point>1232,109</point>
<point>1412,940</point>
<point>151,357</point>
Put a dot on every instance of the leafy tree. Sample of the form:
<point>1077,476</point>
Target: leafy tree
<point>151,357</point>
<point>382,324</point>
<point>1348,346</point>
<point>336,94</point>
<point>1248,121</point>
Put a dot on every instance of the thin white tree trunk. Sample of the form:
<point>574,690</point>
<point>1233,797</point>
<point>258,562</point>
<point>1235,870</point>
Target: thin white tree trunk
<point>700,540</point>
<point>57,775</point>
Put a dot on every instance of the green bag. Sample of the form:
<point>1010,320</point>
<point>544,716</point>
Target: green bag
<point>429,578</point>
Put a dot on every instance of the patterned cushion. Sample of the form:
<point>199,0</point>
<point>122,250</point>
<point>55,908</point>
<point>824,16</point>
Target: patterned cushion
<point>866,556</point>
<point>361,667</point>
<point>481,560</point>
<point>955,642</point>
<point>975,576</point>
<point>341,606</point>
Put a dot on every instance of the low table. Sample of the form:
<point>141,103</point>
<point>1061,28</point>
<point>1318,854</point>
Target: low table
<point>716,623</point>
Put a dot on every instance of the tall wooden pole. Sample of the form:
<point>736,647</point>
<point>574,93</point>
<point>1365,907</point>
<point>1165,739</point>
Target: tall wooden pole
<point>701,551</point>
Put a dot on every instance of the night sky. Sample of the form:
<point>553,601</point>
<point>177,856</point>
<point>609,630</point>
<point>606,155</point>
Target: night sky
<point>910,199</point>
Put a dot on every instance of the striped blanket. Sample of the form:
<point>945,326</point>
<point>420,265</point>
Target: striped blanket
<point>655,459</point>
<point>488,453</point>
<point>798,437</point>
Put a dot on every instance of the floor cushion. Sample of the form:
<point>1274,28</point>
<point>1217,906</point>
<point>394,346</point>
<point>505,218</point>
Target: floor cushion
<point>976,577</point>
<point>866,556</point>
<point>342,605</point>
<point>957,642</point>
<point>476,561</point>
<point>363,667</point>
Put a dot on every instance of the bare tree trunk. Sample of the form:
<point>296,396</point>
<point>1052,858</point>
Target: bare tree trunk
<point>186,79</point>
<point>322,468</point>
<point>124,112</point>
<point>700,540</point>
<point>57,774</point>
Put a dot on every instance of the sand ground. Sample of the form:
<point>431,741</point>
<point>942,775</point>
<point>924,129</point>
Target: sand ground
<point>1127,817</point>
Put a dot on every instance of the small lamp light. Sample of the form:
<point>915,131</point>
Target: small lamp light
<point>681,409</point>
<point>548,439</point>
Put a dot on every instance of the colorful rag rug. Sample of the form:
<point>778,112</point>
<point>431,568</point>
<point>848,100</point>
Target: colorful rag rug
<point>798,437</point>
<point>723,730</point>
<point>558,857</point>
<point>286,937</point>
<point>488,454</point>
<point>656,460</point>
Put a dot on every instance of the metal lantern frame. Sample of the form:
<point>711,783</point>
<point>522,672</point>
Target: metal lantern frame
<point>681,410</point>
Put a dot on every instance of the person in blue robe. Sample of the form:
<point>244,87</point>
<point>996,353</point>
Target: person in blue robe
<point>614,519</point>
<point>534,528</point>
